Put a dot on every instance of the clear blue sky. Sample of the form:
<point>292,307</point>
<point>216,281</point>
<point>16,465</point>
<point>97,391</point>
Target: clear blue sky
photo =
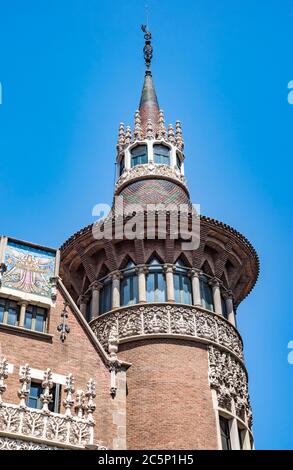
<point>71,70</point>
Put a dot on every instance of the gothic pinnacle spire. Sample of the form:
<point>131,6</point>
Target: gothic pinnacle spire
<point>149,106</point>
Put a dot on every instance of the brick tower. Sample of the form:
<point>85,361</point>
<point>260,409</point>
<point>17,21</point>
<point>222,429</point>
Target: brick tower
<point>169,311</point>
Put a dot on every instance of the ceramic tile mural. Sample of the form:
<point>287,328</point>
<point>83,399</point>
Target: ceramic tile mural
<point>28,269</point>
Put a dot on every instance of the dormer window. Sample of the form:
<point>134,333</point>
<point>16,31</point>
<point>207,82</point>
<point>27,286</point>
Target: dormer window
<point>161,154</point>
<point>139,155</point>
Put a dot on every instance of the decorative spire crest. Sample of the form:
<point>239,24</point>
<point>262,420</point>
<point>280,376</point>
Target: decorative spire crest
<point>138,134</point>
<point>179,138</point>
<point>162,133</point>
<point>171,135</point>
<point>121,137</point>
<point>148,48</point>
<point>25,380</point>
<point>128,136</point>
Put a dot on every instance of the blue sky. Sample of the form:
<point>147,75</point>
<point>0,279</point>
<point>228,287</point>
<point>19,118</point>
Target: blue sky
<point>71,70</point>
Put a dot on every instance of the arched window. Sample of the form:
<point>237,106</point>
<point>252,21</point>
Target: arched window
<point>106,296</point>
<point>129,286</point>
<point>206,292</point>
<point>139,155</point>
<point>155,282</point>
<point>182,284</point>
<point>161,154</point>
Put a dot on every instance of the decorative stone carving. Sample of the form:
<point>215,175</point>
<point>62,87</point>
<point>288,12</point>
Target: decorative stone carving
<point>149,319</point>
<point>228,377</point>
<point>45,425</point>
<point>7,443</point>
<point>127,136</point>
<point>138,133</point>
<point>63,328</point>
<point>69,390</point>
<point>121,138</point>
<point>171,135</point>
<point>3,376</point>
<point>179,138</point>
<point>162,133</point>
<point>47,384</point>
<point>153,170</point>
<point>25,380</point>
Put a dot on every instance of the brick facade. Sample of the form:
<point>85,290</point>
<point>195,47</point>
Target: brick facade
<point>169,402</point>
<point>77,355</point>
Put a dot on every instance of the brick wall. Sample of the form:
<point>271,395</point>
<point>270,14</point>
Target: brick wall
<point>169,402</point>
<point>77,355</point>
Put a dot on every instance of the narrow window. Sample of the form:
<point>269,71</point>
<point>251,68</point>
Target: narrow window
<point>155,282</point>
<point>129,286</point>
<point>225,433</point>
<point>13,313</point>
<point>224,308</point>
<point>178,162</point>
<point>35,318</point>
<point>139,155</point>
<point>182,284</point>
<point>121,166</point>
<point>207,300</point>
<point>106,296</point>
<point>162,154</point>
<point>2,310</point>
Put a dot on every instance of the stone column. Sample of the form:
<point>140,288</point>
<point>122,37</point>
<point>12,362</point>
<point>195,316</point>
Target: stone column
<point>195,287</point>
<point>169,282</point>
<point>141,274</point>
<point>230,308</point>
<point>217,296</point>
<point>116,276</point>
<point>23,306</point>
<point>82,301</point>
<point>96,287</point>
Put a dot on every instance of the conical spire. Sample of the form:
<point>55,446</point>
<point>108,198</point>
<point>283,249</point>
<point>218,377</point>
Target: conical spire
<point>148,106</point>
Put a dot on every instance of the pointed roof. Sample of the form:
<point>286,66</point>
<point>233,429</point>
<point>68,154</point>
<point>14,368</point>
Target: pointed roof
<point>149,106</point>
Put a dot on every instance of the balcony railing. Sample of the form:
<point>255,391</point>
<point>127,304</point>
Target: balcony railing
<point>169,320</point>
<point>41,427</point>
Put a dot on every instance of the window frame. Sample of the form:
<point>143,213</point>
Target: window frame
<point>103,306</point>
<point>34,314</point>
<point>156,270</point>
<point>181,273</point>
<point>134,158</point>
<point>161,155</point>
<point>5,302</point>
<point>129,274</point>
<point>225,436</point>
<point>54,406</point>
<point>203,282</point>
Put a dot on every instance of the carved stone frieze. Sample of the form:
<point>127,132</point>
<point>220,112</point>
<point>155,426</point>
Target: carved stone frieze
<point>167,319</point>
<point>228,377</point>
<point>150,169</point>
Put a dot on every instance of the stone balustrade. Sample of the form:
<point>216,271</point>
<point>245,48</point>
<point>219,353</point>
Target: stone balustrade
<point>169,320</point>
<point>22,427</point>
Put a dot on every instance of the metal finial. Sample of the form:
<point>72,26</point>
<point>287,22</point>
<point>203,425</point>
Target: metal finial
<point>148,49</point>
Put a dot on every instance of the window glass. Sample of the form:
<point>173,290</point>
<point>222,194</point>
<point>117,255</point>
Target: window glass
<point>155,282</point>
<point>2,310</point>
<point>121,166</point>
<point>225,433</point>
<point>40,322</point>
<point>106,297</point>
<point>139,155</point>
<point>182,284</point>
<point>161,154</point>
<point>240,434</point>
<point>28,320</point>
<point>206,294</point>
<point>224,308</point>
<point>12,317</point>
<point>178,162</point>
<point>129,285</point>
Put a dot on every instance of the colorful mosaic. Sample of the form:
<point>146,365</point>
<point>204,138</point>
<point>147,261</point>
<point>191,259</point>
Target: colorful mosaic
<point>28,269</point>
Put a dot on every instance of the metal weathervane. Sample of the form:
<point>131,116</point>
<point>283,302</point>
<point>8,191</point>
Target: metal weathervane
<point>148,49</point>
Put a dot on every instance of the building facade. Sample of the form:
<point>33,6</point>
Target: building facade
<point>126,337</point>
